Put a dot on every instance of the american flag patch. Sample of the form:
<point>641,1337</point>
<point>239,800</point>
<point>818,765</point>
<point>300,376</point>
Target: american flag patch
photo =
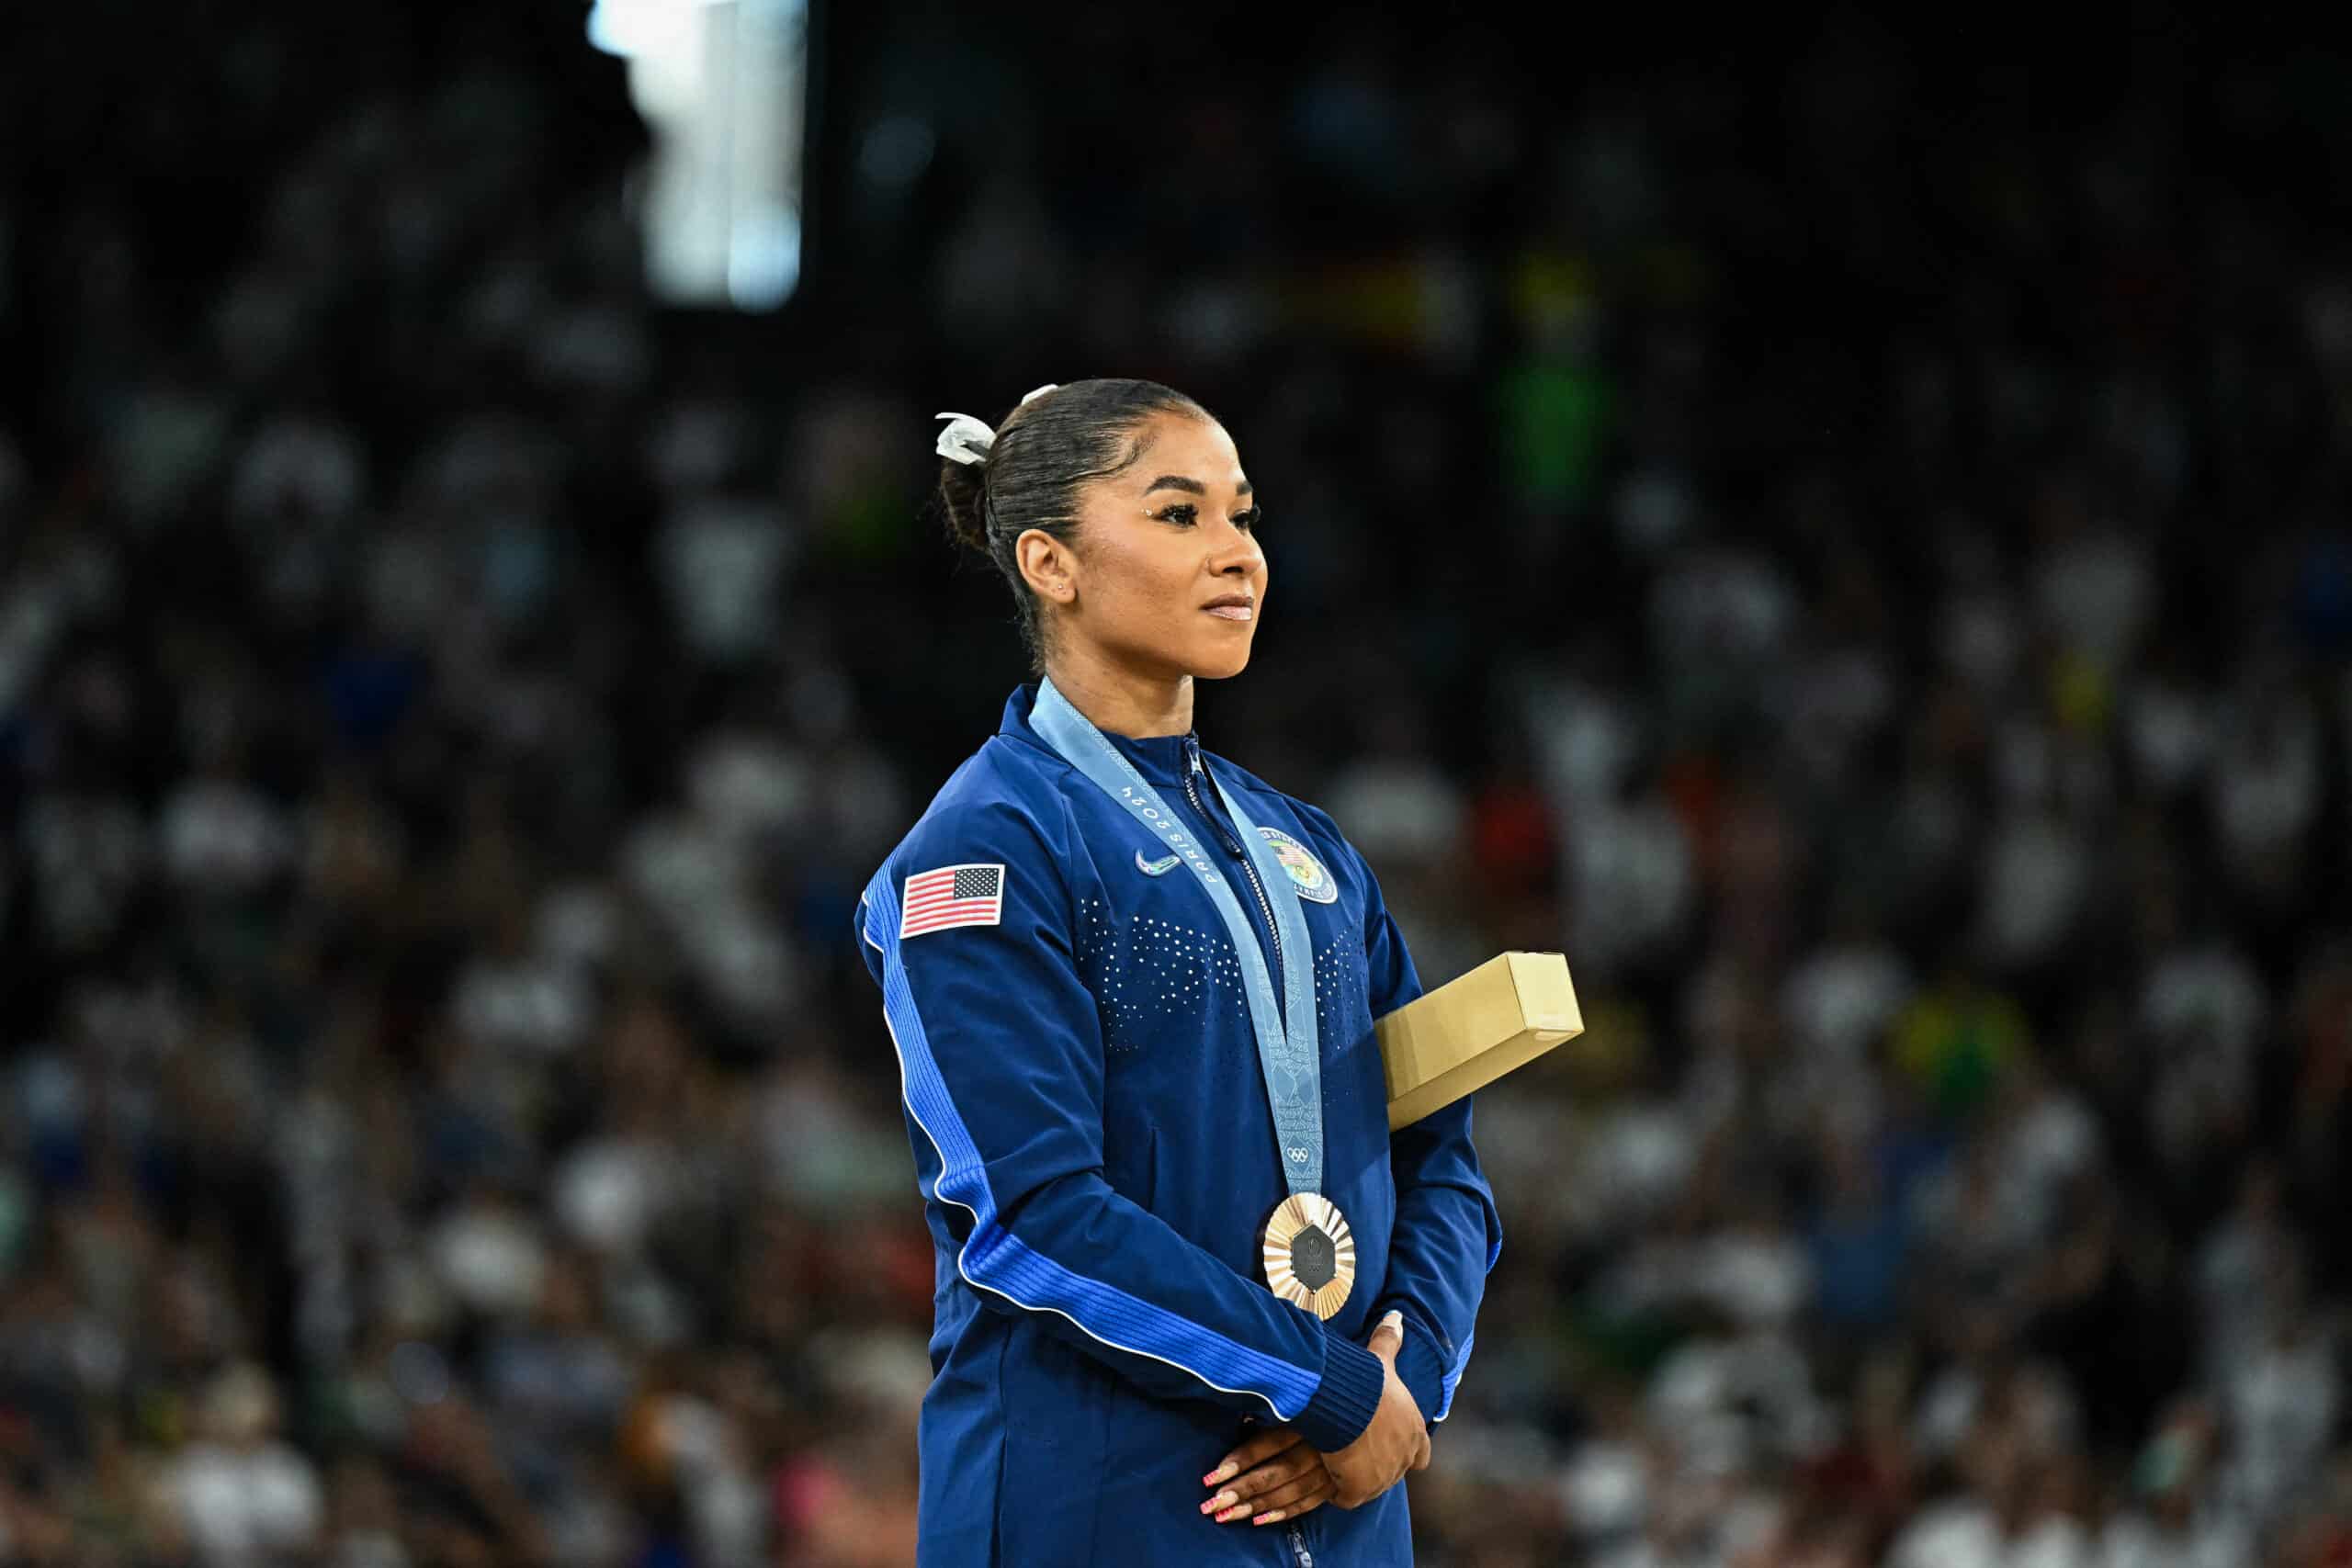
<point>953,895</point>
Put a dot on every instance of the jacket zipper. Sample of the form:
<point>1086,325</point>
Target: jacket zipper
<point>1194,770</point>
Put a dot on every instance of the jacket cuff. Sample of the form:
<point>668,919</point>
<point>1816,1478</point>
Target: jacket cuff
<point>1344,1401</point>
<point>1420,1367</point>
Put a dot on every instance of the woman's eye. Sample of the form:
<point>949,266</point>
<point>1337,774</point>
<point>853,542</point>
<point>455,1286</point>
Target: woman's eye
<point>1248,521</point>
<point>1182,512</point>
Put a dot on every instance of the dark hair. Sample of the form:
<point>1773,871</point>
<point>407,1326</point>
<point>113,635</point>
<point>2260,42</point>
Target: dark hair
<point>1045,451</point>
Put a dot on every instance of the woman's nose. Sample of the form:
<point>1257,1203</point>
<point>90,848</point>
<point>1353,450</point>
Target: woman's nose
<point>1236,552</point>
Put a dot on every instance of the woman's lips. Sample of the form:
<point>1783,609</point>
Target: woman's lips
<point>1233,612</point>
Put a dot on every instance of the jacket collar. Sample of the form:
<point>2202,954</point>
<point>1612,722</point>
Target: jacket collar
<point>1159,758</point>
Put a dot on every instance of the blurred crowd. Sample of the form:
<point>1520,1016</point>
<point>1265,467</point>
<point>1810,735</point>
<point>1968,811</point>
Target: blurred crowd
<point>1847,540</point>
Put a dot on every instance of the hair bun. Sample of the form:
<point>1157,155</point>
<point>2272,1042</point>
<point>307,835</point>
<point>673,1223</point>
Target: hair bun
<point>963,503</point>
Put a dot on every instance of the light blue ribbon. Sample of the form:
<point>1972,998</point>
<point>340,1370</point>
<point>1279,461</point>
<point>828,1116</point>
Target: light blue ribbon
<point>1289,1054</point>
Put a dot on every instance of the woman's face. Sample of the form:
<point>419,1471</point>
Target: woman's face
<point>1166,575</point>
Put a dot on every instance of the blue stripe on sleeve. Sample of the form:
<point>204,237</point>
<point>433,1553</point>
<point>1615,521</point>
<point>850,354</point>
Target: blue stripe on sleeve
<point>1452,1376</point>
<point>993,1258</point>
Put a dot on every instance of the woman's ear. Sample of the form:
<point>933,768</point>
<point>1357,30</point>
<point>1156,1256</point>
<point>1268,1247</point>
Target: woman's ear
<point>1047,565</point>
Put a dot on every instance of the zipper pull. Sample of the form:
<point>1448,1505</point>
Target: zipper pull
<point>1197,776</point>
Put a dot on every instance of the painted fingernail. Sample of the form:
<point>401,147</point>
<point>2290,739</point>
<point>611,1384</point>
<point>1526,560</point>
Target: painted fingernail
<point>1222,1472</point>
<point>1222,1499</point>
<point>1232,1513</point>
<point>1268,1517</point>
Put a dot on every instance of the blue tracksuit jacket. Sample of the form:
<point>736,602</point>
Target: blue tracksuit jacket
<point>1095,1154</point>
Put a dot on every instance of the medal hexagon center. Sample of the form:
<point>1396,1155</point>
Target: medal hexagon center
<point>1313,1259</point>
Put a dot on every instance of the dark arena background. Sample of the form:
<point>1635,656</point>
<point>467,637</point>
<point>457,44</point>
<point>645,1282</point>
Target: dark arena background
<point>1838,523</point>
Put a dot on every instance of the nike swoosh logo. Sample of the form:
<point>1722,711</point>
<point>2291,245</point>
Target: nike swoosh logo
<point>1155,867</point>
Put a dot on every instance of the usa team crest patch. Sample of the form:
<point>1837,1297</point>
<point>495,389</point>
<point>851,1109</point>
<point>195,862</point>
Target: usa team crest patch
<point>1306,874</point>
<point>950,897</point>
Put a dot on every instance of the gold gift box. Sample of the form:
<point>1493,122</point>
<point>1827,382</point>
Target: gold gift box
<point>1470,1031</point>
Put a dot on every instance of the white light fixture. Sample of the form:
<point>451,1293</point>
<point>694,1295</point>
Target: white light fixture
<point>722,84</point>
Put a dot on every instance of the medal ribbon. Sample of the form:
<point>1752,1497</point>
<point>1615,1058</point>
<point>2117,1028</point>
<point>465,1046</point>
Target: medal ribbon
<point>1289,1058</point>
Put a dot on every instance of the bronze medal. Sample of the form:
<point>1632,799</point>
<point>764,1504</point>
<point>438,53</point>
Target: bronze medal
<point>1310,1254</point>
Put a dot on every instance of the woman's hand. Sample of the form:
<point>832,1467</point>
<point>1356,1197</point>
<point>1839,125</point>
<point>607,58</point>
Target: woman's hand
<point>1277,1475</point>
<point>1398,1440</point>
<point>1273,1476</point>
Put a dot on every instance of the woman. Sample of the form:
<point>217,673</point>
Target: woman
<point>1132,992</point>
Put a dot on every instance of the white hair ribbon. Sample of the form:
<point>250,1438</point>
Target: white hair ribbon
<point>966,440</point>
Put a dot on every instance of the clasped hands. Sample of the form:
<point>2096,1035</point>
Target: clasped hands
<point>1276,1475</point>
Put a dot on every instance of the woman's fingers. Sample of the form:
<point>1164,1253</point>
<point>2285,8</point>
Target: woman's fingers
<point>1303,1496</point>
<point>1249,1490</point>
<point>1251,1453</point>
